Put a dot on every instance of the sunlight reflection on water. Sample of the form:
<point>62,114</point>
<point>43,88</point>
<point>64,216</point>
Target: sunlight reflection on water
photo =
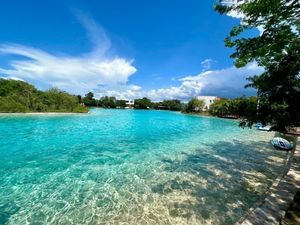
<point>131,167</point>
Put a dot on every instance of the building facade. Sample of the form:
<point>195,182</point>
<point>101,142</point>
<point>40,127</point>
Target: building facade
<point>208,100</point>
<point>129,103</point>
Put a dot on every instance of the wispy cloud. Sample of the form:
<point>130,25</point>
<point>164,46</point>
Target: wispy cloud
<point>206,64</point>
<point>96,34</point>
<point>106,75</point>
<point>76,74</point>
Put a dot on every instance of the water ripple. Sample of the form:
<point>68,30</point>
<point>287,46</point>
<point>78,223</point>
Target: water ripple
<point>131,167</point>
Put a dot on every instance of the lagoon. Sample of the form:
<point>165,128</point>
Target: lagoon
<point>131,167</point>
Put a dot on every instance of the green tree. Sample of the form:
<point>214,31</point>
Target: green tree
<point>142,103</point>
<point>79,98</point>
<point>174,105</point>
<point>194,105</point>
<point>240,107</point>
<point>19,96</point>
<point>246,108</point>
<point>89,100</point>
<point>108,102</point>
<point>121,103</point>
<point>221,108</point>
<point>277,50</point>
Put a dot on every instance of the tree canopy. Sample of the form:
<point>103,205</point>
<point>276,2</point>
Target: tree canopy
<point>89,100</point>
<point>142,103</point>
<point>277,50</point>
<point>236,108</point>
<point>109,102</point>
<point>19,96</point>
<point>174,105</point>
<point>194,105</point>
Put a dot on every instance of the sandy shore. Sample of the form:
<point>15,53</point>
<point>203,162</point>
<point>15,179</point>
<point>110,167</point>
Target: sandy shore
<point>280,195</point>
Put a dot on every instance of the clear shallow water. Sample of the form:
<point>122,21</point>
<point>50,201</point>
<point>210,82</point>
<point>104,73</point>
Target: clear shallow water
<point>131,167</point>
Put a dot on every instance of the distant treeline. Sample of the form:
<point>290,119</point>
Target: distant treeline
<point>18,96</point>
<point>235,108</point>
<point>231,108</point>
<point>227,108</point>
<point>141,103</point>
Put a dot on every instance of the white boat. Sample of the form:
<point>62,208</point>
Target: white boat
<point>265,128</point>
<point>281,143</point>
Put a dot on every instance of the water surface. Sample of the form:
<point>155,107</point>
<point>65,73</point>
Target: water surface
<point>131,167</point>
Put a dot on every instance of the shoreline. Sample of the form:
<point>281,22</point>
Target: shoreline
<point>42,113</point>
<point>71,120</point>
<point>278,198</point>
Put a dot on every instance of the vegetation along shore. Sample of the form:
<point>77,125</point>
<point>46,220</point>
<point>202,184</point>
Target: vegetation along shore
<point>20,97</point>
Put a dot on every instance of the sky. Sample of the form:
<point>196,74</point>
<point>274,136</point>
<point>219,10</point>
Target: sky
<point>160,49</point>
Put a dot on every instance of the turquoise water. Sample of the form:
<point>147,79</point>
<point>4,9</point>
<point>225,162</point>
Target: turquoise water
<point>131,167</point>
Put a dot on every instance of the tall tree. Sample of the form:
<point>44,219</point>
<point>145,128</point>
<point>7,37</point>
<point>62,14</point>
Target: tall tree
<point>277,50</point>
<point>194,105</point>
<point>89,100</point>
<point>19,96</point>
<point>174,104</point>
<point>142,103</point>
<point>108,102</point>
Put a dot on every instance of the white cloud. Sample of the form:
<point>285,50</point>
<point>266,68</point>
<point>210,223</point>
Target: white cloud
<point>95,71</point>
<point>121,91</point>
<point>234,13</point>
<point>241,16</point>
<point>227,82</point>
<point>206,64</point>
<point>12,78</point>
<point>75,74</point>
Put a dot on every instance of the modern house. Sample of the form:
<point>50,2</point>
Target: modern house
<point>129,103</point>
<point>208,100</point>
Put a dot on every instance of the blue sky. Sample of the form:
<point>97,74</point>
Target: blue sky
<point>158,49</point>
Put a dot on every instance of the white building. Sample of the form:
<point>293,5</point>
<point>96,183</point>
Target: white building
<point>208,100</point>
<point>129,103</point>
